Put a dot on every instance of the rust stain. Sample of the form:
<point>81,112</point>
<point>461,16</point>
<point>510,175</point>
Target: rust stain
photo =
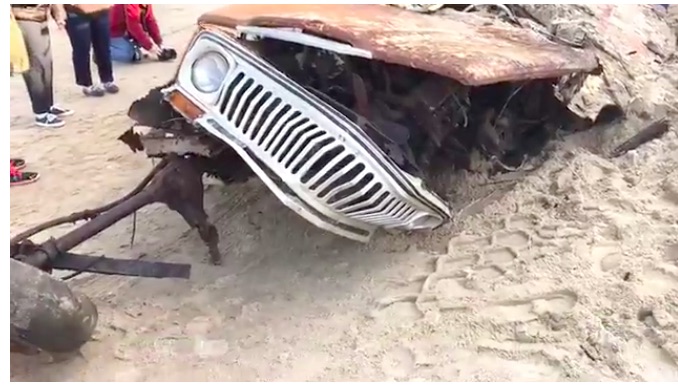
<point>471,49</point>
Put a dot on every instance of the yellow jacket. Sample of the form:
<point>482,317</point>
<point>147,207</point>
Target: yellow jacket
<point>18,56</point>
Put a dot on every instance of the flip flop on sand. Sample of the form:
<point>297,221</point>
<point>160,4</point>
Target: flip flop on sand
<point>16,177</point>
<point>19,164</point>
<point>23,178</point>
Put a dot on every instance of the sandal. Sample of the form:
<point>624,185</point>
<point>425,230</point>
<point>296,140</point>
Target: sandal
<point>17,177</point>
<point>19,164</point>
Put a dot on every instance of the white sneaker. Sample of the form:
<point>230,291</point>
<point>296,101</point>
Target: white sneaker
<point>49,120</point>
<point>61,112</point>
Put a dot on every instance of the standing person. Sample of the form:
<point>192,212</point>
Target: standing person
<point>18,63</point>
<point>33,23</point>
<point>134,26</point>
<point>88,28</point>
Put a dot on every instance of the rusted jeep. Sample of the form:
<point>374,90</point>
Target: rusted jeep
<point>342,110</point>
<point>346,112</point>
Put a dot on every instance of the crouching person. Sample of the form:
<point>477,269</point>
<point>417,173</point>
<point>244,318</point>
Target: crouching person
<point>133,28</point>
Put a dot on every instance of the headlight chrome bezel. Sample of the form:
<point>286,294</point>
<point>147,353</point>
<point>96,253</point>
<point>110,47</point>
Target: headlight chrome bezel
<point>216,83</point>
<point>202,46</point>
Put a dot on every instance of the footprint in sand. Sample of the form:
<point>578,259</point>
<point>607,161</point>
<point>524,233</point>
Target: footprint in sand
<point>473,263</point>
<point>514,239</point>
<point>606,258</point>
<point>533,320</point>
<point>529,309</point>
<point>671,254</point>
<point>657,280</point>
<point>660,278</point>
<point>655,364</point>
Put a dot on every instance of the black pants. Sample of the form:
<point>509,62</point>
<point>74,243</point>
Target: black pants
<point>39,77</point>
<point>87,32</point>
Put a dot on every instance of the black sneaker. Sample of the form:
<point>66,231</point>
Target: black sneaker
<point>49,120</point>
<point>61,112</point>
<point>111,87</point>
<point>138,56</point>
<point>167,54</point>
<point>94,91</point>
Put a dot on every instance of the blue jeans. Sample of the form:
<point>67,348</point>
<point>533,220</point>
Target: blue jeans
<point>88,33</point>
<point>124,50</point>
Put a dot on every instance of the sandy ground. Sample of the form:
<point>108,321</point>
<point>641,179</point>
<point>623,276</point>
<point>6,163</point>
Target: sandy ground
<point>568,274</point>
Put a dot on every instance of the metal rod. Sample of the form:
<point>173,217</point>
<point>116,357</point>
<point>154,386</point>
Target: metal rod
<point>105,220</point>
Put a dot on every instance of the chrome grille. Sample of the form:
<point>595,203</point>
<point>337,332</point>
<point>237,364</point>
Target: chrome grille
<point>298,143</point>
<point>309,153</point>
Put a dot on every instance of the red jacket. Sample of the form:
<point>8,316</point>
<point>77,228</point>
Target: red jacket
<point>136,21</point>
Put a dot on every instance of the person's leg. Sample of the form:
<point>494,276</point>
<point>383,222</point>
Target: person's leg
<point>80,34</point>
<point>122,50</point>
<point>101,43</point>
<point>39,77</point>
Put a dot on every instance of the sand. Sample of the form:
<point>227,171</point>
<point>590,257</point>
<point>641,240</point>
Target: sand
<point>567,273</point>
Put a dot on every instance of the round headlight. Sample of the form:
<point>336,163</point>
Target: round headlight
<point>208,72</point>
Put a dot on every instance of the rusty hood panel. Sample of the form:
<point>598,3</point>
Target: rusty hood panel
<point>468,48</point>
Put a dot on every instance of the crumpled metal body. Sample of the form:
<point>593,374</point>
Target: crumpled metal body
<point>471,49</point>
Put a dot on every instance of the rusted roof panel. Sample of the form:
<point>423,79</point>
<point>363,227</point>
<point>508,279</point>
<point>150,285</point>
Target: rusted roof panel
<point>471,49</point>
